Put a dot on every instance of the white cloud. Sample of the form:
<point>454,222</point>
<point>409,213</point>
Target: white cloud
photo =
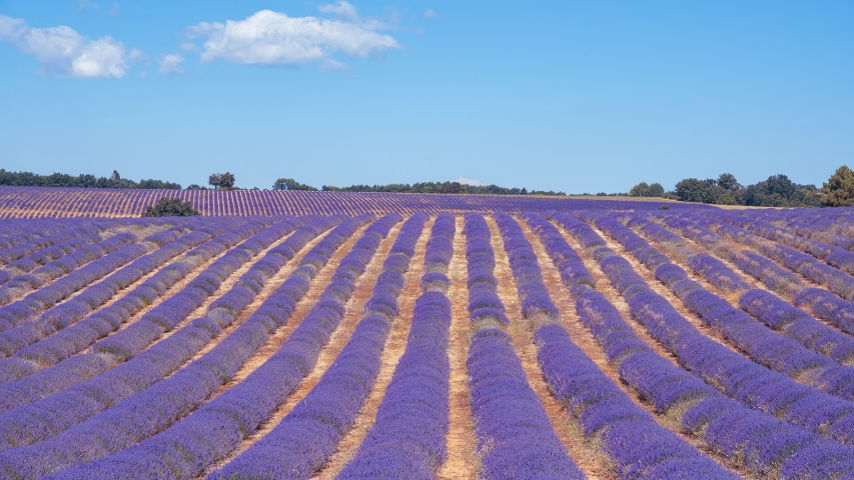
<point>171,64</point>
<point>273,38</point>
<point>63,52</point>
<point>469,181</point>
<point>429,13</point>
<point>341,9</point>
<point>86,4</point>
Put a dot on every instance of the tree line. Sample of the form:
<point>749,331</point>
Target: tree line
<point>775,191</point>
<point>84,180</point>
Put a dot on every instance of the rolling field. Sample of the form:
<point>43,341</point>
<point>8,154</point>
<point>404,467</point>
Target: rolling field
<point>37,202</point>
<point>394,336</point>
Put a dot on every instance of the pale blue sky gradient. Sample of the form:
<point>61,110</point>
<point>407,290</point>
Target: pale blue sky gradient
<point>575,96</point>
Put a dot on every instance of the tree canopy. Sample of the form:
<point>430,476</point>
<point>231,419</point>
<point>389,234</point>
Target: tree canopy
<point>84,180</point>
<point>222,181</point>
<point>291,184</point>
<point>838,191</point>
<point>170,207</point>
<point>647,190</point>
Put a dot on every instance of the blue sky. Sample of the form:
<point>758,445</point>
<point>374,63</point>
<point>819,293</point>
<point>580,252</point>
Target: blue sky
<point>578,96</point>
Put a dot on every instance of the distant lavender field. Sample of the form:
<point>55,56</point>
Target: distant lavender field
<point>31,202</point>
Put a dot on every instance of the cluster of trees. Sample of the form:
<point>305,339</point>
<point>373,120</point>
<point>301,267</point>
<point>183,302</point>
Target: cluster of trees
<point>439,187</point>
<point>84,180</point>
<point>291,184</point>
<point>644,189</point>
<point>775,191</point>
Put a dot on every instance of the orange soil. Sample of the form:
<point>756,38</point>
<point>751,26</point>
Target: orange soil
<point>462,462</point>
<point>394,347</point>
<point>353,313</point>
<point>588,458</point>
<point>584,339</point>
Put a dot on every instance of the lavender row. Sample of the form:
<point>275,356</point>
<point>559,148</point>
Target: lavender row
<point>757,441</point>
<point>715,271</point>
<point>407,439</point>
<point>537,305</point>
<point>800,326</point>
<point>731,373</point>
<point>12,253</point>
<point>485,308</point>
<point>809,266</point>
<point>94,296</point>
<point>250,401</point>
<point>155,408</point>
<point>635,442</point>
<point>775,313</point>
<point>514,434</point>
<point>827,306</point>
<point>105,385</point>
<point>16,232</point>
<point>45,274</point>
<point>807,330</point>
<point>309,434</point>
<point>75,338</point>
<point>66,243</point>
<point>67,275</point>
<point>835,256</point>
<point>764,346</point>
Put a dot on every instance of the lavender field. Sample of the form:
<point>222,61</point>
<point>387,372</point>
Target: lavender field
<point>317,335</point>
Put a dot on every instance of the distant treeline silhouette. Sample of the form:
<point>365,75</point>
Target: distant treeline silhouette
<point>84,180</point>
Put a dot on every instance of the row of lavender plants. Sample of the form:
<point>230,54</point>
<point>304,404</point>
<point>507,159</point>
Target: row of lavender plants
<point>17,232</point>
<point>16,246</point>
<point>308,435</point>
<point>514,435</point>
<point>836,256</point>
<point>407,439</point>
<point>91,298</point>
<point>774,312</point>
<point>71,339</point>
<point>824,304</point>
<point>113,370</point>
<point>154,409</point>
<point>768,348</point>
<point>22,259</point>
<point>758,441</point>
<point>62,277</point>
<point>636,444</point>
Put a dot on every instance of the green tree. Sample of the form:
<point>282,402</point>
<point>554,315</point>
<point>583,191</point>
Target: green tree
<point>838,191</point>
<point>639,190</point>
<point>644,189</point>
<point>694,190</point>
<point>170,207</point>
<point>291,184</point>
<point>222,181</point>
<point>727,182</point>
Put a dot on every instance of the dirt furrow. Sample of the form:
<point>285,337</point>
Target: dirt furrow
<point>463,462</point>
<point>395,345</point>
<point>665,292</point>
<point>584,339</point>
<point>589,459</point>
<point>319,282</point>
<point>354,310</point>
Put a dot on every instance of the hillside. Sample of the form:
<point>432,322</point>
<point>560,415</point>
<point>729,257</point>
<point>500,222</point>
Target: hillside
<point>410,346</point>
